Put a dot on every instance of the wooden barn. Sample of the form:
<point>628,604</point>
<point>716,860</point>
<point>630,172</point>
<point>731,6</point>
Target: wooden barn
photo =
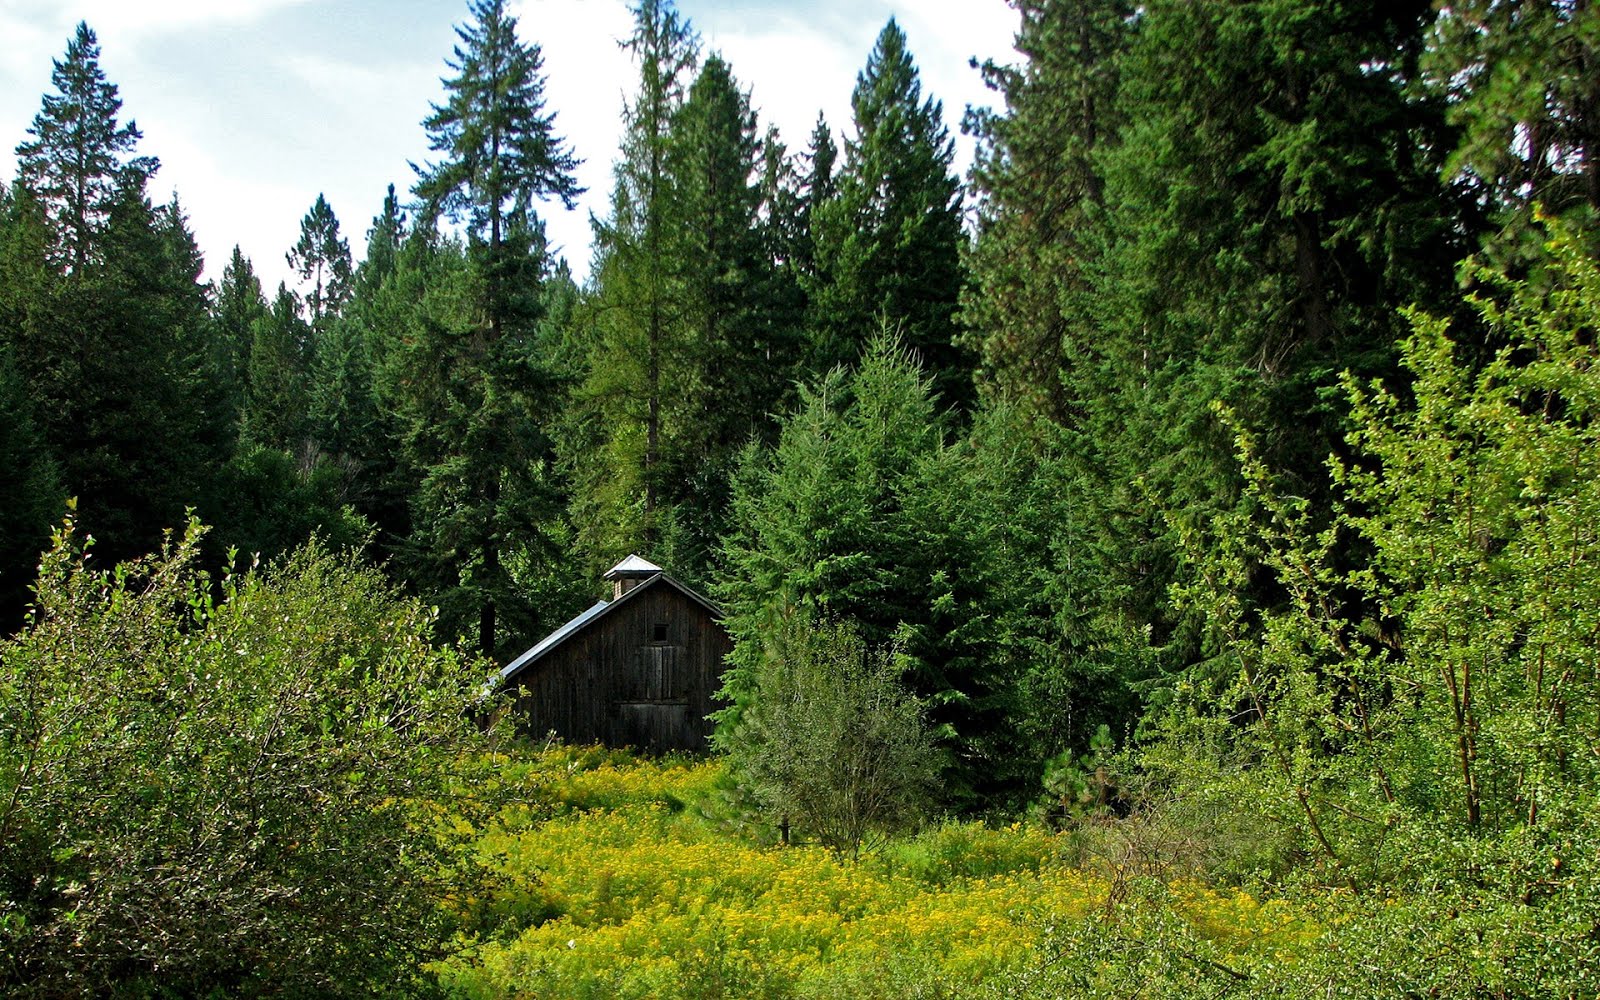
<point>638,670</point>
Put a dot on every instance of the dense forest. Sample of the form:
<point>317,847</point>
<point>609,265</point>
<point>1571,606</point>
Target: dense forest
<point>1235,456</point>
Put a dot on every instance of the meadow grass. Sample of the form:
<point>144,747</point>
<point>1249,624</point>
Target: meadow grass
<point>622,877</point>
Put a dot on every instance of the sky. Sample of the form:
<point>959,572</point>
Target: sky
<point>254,107</point>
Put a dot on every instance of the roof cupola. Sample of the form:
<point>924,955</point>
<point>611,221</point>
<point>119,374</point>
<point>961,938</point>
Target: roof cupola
<point>629,573</point>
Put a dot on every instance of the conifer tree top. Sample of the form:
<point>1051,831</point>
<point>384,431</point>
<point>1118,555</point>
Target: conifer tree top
<point>74,161</point>
<point>500,145</point>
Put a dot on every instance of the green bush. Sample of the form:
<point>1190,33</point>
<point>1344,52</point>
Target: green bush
<point>227,786</point>
<point>1430,663</point>
<point>832,741</point>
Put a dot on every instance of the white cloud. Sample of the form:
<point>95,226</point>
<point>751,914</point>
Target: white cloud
<point>132,20</point>
<point>587,77</point>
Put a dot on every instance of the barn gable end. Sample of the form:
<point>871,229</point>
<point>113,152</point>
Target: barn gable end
<point>640,670</point>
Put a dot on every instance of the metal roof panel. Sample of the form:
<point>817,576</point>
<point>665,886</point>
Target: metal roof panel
<point>553,639</point>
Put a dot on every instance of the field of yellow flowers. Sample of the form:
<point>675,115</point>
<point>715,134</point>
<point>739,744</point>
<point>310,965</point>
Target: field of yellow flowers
<point>616,877</point>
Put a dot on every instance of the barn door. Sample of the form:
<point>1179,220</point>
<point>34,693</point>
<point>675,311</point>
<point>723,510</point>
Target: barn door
<point>655,713</point>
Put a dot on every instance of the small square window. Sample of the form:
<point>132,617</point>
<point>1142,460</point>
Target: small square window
<point>658,632</point>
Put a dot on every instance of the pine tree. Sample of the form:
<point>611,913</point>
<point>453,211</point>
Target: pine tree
<point>737,314</point>
<point>113,337</point>
<point>889,246</point>
<point>715,161</point>
<point>356,413</point>
<point>480,398</point>
<point>818,186</point>
<point>322,257</point>
<point>280,363</point>
<point>863,513</point>
<point>387,232</point>
<point>1041,190</point>
<point>1270,206</point>
<point>636,390</point>
<point>237,306</point>
<point>78,157</point>
<point>501,149</point>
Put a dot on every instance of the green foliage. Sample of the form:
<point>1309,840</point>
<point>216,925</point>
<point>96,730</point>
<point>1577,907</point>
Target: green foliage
<point>1482,506</point>
<point>77,163</point>
<point>1515,79</point>
<point>817,522</point>
<point>28,477</point>
<point>1268,202</point>
<point>237,306</point>
<point>322,257</point>
<point>500,145</point>
<point>1040,188</point>
<point>106,317</point>
<point>1407,720</point>
<point>474,393</point>
<point>1441,942</point>
<point>224,785</point>
<point>888,244</point>
<point>963,555</point>
<point>278,382</point>
<point>1081,784</point>
<point>831,741</point>
<point>690,330</point>
<point>268,504</point>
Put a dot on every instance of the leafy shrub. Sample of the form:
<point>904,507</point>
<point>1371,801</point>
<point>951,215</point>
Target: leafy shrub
<point>1429,671</point>
<point>831,740</point>
<point>224,788</point>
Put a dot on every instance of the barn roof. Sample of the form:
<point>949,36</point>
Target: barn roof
<point>598,610</point>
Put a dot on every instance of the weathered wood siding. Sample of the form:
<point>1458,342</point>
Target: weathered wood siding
<point>615,682</point>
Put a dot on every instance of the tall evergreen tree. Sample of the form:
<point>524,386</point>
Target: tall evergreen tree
<point>80,156</point>
<point>501,149</point>
<point>1272,202</point>
<point>237,306</point>
<point>863,513</point>
<point>739,320</point>
<point>889,245</point>
<point>384,237</point>
<point>113,334</point>
<point>321,257</point>
<point>715,161</point>
<point>280,365</point>
<point>477,430</point>
<point>819,186</point>
<point>634,392</point>
<point>356,412</point>
<point>1041,188</point>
